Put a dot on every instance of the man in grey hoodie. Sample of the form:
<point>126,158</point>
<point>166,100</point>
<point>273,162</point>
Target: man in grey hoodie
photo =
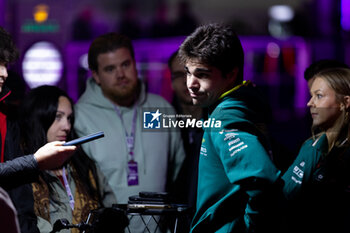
<point>132,159</point>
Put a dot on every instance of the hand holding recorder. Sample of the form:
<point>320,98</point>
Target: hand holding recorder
<point>84,139</point>
<point>54,154</point>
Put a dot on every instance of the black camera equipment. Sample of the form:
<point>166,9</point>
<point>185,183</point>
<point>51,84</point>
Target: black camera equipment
<point>63,223</point>
<point>101,220</point>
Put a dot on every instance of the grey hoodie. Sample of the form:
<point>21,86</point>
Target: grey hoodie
<point>159,154</point>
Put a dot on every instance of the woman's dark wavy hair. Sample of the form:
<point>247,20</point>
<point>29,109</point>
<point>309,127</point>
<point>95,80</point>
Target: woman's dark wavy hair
<point>215,45</point>
<point>8,50</point>
<point>37,114</point>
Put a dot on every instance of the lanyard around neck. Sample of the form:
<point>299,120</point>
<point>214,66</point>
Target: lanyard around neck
<point>68,190</point>
<point>129,138</point>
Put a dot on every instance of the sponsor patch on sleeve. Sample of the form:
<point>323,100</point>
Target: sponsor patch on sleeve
<point>235,144</point>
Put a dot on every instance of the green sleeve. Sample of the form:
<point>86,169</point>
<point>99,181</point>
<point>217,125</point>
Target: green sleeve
<point>248,165</point>
<point>300,172</point>
<point>243,157</point>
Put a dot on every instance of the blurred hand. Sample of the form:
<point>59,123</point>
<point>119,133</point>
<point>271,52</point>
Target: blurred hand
<point>52,155</point>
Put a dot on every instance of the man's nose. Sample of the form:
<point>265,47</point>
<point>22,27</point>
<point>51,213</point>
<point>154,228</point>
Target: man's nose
<point>191,82</point>
<point>120,72</point>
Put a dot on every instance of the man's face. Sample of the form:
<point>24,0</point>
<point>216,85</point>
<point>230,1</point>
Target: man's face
<point>3,75</point>
<point>178,83</point>
<point>206,83</point>
<point>117,76</point>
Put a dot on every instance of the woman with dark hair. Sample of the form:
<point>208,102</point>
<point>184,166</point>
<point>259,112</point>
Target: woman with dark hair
<point>74,189</point>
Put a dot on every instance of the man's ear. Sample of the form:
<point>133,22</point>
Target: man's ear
<point>232,75</point>
<point>96,77</point>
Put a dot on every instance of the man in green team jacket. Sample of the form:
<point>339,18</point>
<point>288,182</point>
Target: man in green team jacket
<point>237,181</point>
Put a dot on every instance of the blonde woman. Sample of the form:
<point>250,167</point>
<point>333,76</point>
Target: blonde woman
<point>317,185</point>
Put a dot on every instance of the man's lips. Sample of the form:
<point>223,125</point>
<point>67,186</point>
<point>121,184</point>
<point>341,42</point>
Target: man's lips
<point>121,83</point>
<point>195,95</point>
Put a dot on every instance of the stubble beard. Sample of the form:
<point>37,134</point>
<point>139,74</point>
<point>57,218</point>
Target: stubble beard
<point>129,94</point>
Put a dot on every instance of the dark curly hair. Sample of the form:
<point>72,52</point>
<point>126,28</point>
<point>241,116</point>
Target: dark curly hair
<point>215,45</point>
<point>8,50</point>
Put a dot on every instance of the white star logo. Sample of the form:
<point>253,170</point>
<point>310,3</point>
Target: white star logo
<point>156,115</point>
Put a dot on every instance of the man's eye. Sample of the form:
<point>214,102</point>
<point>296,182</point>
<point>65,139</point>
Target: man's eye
<point>202,75</point>
<point>109,69</point>
<point>126,64</point>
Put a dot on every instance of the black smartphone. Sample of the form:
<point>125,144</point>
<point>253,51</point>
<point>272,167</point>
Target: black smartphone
<point>148,206</point>
<point>163,195</point>
<point>143,200</point>
<point>84,139</point>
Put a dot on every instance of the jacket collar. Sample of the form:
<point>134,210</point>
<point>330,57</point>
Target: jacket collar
<point>245,83</point>
<point>228,93</point>
<point>4,93</point>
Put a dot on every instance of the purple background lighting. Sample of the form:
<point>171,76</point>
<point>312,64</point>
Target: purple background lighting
<point>319,29</point>
<point>152,54</point>
<point>2,10</point>
<point>345,14</point>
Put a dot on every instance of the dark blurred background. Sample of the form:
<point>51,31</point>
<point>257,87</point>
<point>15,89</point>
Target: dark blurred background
<point>280,39</point>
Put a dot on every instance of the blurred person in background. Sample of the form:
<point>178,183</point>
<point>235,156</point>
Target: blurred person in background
<point>185,187</point>
<point>82,25</point>
<point>186,21</point>
<point>161,26</point>
<point>129,24</point>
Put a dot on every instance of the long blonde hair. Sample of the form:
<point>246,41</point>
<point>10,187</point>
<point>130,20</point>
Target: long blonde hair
<point>339,80</point>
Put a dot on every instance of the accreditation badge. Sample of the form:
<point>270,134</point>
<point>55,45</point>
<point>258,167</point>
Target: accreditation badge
<point>133,176</point>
